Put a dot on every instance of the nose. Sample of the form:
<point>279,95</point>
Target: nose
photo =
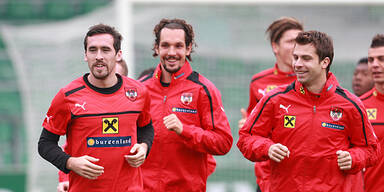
<point>99,55</point>
<point>171,50</point>
<point>296,63</point>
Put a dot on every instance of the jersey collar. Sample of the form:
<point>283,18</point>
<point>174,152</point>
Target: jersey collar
<point>329,87</point>
<point>183,73</point>
<point>276,71</point>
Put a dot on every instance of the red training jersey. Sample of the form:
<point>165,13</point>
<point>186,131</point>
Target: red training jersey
<point>104,126</point>
<point>313,127</point>
<point>374,104</point>
<point>181,162</point>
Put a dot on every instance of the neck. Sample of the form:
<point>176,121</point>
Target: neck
<point>283,67</point>
<point>166,77</point>
<point>380,87</point>
<point>109,81</point>
<point>317,86</point>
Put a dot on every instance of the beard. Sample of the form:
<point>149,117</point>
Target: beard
<point>168,69</point>
<point>100,74</point>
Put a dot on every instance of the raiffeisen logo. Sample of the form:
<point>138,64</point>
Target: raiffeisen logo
<point>108,141</point>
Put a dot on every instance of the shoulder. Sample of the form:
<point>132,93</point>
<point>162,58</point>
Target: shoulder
<point>132,83</point>
<point>349,98</point>
<point>202,81</point>
<point>261,75</point>
<point>73,87</point>
<point>367,96</point>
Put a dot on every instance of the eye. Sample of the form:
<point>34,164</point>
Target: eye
<point>381,58</point>
<point>370,59</point>
<point>295,57</point>
<point>164,45</point>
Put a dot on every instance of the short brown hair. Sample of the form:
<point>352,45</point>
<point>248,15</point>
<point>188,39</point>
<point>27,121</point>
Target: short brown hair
<point>321,41</point>
<point>377,41</point>
<point>283,24</point>
<point>175,24</point>
<point>104,29</point>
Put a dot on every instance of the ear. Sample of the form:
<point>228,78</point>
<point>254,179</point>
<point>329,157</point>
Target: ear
<point>119,55</point>
<point>157,49</point>
<point>325,62</point>
<point>85,57</point>
<point>275,47</point>
<point>188,50</point>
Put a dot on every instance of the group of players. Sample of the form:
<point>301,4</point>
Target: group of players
<point>304,131</point>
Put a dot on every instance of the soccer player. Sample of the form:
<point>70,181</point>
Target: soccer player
<point>188,115</point>
<point>315,133</point>
<point>106,119</point>
<point>362,80</point>
<point>374,102</point>
<point>63,185</point>
<point>282,34</point>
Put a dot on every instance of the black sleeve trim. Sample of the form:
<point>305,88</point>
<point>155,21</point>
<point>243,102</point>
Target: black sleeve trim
<point>74,90</point>
<point>145,135</point>
<point>257,78</point>
<point>341,92</point>
<point>194,77</point>
<point>50,150</point>
<point>290,87</point>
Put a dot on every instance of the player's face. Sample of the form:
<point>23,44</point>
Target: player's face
<point>306,64</point>
<point>172,49</point>
<point>376,64</point>
<point>101,56</point>
<point>362,80</point>
<point>283,50</point>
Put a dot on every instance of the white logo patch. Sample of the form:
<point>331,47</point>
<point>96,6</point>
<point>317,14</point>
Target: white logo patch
<point>285,108</point>
<point>81,106</point>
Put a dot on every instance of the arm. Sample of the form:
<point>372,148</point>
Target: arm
<point>214,136</point>
<point>50,150</point>
<point>365,150</point>
<point>254,137</point>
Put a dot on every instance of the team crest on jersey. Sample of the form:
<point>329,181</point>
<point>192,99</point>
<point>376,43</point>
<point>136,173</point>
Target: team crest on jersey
<point>111,125</point>
<point>336,113</point>
<point>131,93</point>
<point>302,91</point>
<point>372,113</point>
<point>186,98</point>
<point>289,121</point>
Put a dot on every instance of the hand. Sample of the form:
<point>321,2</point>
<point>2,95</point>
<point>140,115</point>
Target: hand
<point>344,160</point>
<point>84,167</point>
<point>139,152</point>
<point>243,118</point>
<point>277,152</point>
<point>172,123</point>
<point>63,186</point>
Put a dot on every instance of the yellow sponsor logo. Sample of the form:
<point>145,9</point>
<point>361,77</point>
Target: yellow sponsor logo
<point>372,113</point>
<point>110,125</point>
<point>270,88</point>
<point>289,121</point>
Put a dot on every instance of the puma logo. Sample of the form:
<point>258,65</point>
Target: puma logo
<point>261,92</point>
<point>48,118</point>
<point>81,106</point>
<point>285,108</point>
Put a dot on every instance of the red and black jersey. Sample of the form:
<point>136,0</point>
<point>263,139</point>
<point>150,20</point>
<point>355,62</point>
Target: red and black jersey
<point>313,127</point>
<point>181,162</point>
<point>374,104</point>
<point>103,125</point>
<point>266,81</point>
